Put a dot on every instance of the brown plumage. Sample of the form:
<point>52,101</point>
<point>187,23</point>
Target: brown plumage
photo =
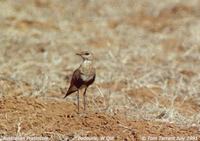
<point>82,77</point>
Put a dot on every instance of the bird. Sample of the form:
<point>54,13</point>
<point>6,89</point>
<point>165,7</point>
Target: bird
<point>82,77</point>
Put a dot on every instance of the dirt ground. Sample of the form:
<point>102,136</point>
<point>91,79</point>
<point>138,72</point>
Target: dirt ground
<point>58,120</point>
<point>147,64</point>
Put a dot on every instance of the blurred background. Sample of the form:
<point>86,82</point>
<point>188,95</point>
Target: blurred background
<point>147,53</point>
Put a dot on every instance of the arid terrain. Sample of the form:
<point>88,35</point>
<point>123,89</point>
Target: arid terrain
<point>147,59</point>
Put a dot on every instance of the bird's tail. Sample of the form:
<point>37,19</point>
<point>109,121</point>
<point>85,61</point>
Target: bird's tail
<point>70,91</point>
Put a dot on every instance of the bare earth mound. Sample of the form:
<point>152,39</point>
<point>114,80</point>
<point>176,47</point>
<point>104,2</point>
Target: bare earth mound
<point>25,116</point>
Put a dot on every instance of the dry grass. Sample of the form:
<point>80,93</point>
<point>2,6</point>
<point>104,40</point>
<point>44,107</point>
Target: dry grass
<point>147,54</point>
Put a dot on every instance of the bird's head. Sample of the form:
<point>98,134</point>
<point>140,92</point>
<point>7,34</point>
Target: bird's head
<point>85,55</point>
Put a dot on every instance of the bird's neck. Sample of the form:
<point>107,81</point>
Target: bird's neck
<point>87,63</point>
<point>86,66</point>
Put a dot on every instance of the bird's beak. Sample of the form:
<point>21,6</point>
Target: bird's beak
<point>79,54</point>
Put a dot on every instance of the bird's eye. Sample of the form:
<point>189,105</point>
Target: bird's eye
<point>86,53</point>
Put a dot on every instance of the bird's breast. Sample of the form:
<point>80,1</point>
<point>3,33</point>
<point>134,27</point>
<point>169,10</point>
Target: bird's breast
<point>87,72</point>
<point>86,78</point>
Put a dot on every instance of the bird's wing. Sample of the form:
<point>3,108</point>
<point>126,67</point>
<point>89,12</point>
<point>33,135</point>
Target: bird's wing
<point>76,82</point>
<point>76,76</point>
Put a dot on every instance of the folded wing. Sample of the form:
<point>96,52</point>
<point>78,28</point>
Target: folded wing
<point>76,82</point>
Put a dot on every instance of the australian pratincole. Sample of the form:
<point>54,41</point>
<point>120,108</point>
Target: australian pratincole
<point>82,77</point>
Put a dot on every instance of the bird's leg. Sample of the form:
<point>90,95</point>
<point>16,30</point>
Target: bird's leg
<point>84,96</point>
<point>78,100</point>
